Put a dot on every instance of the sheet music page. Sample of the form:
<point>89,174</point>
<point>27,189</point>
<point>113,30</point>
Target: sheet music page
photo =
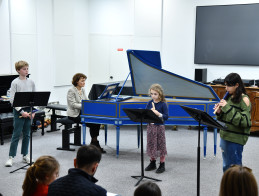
<point>112,194</point>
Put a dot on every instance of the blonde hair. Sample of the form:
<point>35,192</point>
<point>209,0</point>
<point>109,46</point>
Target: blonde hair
<point>20,64</point>
<point>238,181</point>
<point>44,166</point>
<point>158,88</point>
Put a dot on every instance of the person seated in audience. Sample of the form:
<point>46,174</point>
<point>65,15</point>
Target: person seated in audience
<point>39,175</point>
<point>75,96</point>
<point>148,189</point>
<point>239,181</point>
<point>80,180</point>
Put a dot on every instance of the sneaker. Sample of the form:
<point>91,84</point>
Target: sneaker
<point>96,143</point>
<point>26,159</point>
<point>151,166</point>
<point>161,168</point>
<point>9,162</point>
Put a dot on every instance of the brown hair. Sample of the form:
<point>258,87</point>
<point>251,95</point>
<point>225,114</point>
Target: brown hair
<point>158,88</point>
<point>77,77</point>
<point>43,167</point>
<point>238,181</point>
<point>148,189</point>
<point>20,64</point>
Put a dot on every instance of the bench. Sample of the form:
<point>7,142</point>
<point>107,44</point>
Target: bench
<point>68,129</point>
<point>6,122</point>
<point>54,116</point>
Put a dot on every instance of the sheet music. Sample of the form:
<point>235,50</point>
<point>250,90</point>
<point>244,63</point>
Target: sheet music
<point>112,194</point>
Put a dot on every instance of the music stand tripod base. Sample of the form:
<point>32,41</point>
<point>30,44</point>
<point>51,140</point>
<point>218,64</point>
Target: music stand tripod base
<point>23,167</point>
<point>141,178</point>
<point>146,116</point>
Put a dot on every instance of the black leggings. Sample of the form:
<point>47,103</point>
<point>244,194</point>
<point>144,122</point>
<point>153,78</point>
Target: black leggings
<point>94,128</point>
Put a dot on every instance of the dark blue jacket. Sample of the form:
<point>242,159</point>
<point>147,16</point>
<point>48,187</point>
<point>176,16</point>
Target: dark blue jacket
<point>161,107</point>
<point>76,183</point>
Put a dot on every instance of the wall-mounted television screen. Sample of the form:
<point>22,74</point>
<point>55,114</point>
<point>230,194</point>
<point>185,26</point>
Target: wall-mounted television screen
<point>227,34</point>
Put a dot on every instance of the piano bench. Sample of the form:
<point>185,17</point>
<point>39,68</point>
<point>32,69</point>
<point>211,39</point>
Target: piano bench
<point>54,116</point>
<point>6,121</point>
<point>68,129</point>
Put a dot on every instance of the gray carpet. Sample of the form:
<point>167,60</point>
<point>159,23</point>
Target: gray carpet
<point>114,174</point>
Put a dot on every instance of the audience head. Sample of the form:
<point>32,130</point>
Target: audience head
<point>45,170</point>
<point>148,189</point>
<point>238,181</point>
<point>88,158</point>
<point>20,64</point>
<point>77,77</point>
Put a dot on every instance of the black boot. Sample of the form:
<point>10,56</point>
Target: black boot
<point>96,143</point>
<point>161,168</point>
<point>151,166</point>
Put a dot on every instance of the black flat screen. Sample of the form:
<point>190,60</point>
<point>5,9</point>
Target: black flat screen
<point>227,35</point>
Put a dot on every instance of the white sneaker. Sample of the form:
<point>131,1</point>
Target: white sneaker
<point>26,159</point>
<point>9,162</point>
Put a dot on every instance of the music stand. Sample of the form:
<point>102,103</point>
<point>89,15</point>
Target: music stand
<point>203,118</point>
<point>142,116</point>
<point>30,99</point>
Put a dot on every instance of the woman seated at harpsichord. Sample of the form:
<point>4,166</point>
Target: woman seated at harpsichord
<point>75,96</point>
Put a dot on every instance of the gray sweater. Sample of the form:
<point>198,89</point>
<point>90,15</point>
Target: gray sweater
<point>19,85</point>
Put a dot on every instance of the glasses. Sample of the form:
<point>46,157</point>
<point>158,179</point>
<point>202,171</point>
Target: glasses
<point>242,167</point>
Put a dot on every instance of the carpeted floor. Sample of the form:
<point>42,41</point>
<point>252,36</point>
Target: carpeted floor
<point>114,174</point>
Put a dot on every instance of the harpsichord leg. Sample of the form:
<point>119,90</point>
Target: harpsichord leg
<point>117,140</point>
<point>84,132</point>
<point>105,133</point>
<point>205,129</point>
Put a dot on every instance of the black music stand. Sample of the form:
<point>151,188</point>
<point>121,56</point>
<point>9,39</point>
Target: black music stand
<point>30,99</point>
<point>142,116</point>
<point>203,118</point>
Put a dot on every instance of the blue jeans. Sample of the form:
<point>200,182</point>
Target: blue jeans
<point>21,125</point>
<point>231,153</point>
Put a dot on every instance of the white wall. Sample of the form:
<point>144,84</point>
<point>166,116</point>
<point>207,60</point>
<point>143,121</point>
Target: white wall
<point>179,38</point>
<point>51,35</point>
<point>61,37</point>
<point>111,26</point>
<point>5,66</point>
<point>127,24</point>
